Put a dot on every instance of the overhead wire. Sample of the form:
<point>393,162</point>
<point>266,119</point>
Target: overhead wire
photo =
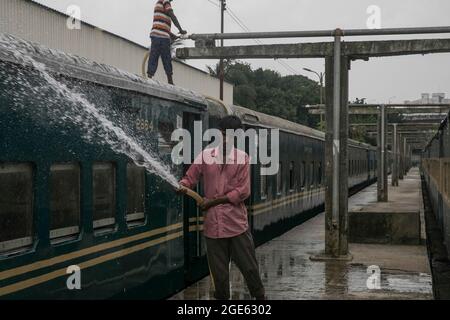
<point>244,27</point>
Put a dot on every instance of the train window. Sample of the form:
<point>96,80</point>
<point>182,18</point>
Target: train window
<point>64,201</point>
<point>104,195</point>
<point>291,176</point>
<point>279,179</point>
<point>16,206</point>
<point>302,175</point>
<point>135,195</point>
<point>263,179</point>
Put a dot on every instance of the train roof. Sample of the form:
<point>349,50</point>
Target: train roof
<point>251,117</point>
<point>18,51</point>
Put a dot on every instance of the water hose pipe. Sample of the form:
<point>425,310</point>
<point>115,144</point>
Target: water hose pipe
<point>194,195</point>
<point>144,64</point>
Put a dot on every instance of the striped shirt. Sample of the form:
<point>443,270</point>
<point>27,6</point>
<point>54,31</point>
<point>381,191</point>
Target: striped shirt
<point>162,22</point>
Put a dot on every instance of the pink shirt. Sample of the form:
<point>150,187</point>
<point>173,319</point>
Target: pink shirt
<point>231,180</point>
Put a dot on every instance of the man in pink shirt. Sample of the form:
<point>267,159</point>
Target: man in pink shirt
<point>226,181</point>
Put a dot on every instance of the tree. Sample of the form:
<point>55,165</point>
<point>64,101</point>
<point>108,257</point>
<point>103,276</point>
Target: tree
<point>267,91</point>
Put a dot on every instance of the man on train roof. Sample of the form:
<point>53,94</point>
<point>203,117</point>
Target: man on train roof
<point>161,37</point>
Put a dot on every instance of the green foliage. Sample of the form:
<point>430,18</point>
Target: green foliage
<point>267,91</point>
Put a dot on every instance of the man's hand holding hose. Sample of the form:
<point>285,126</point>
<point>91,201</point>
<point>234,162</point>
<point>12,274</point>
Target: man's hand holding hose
<point>182,190</point>
<point>203,203</point>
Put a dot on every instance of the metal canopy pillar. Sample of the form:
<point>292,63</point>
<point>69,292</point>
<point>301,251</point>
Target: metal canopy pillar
<point>395,156</point>
<point>401,146</point>
<point>336,208</point>
<point>336,156</point>
<point>408,153</point>
<point>382,185</point>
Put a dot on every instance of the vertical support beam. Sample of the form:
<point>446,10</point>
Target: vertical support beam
<point>405,161</point>
<point>331,230</point>
<point>336,129</point>
<point>409,158</point>
<point>395,156</point>
<point>405,157</point>
<point>343,158</point>
<point>336,154</point>
<point>401,146</point>
<point>382,188</point>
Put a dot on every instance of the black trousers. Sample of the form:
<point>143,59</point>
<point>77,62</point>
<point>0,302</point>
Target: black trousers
<point>160,48</point>
<point>241,250</point>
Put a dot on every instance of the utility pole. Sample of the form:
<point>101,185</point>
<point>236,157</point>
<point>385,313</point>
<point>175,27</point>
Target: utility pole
<point>223,5</point>
<point>321,76</point>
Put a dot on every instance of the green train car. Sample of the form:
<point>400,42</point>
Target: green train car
<point>74,194</point>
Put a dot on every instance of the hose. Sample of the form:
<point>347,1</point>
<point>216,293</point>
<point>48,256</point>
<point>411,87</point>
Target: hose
<point>144,64</point>
<point>194,195</point>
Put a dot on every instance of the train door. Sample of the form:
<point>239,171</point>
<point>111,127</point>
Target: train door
<point>194,247</point>
<point>254,180</point>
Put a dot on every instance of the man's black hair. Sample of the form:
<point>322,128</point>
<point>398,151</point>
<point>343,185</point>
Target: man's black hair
<point>230,122</point>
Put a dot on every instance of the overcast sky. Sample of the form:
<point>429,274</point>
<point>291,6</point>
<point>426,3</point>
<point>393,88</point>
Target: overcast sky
<point>379,80</point>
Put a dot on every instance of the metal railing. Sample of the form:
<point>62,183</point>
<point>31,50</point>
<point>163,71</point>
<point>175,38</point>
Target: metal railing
<point>321,33</point>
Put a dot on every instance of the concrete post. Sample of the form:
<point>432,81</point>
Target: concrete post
<point>409,157</point>
<point>343,159</point>
<point>405,157</point>
<point>401,146</point>
<point>382,188</point>
<point>331,230</point>
<point>336,158</point>
<point>405,161</point>
<point>395,156</point>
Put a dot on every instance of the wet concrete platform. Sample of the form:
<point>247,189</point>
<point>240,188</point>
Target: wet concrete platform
<point>398,221</point>
<point>289,274</point>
